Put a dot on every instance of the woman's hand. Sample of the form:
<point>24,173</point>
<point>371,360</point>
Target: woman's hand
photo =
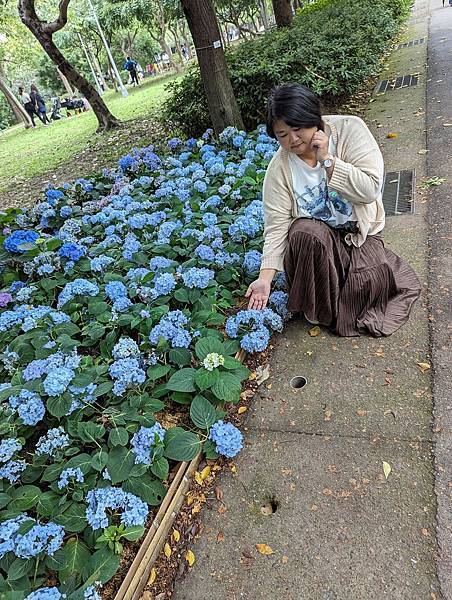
<point>258,293</point>
<point>319,143</point>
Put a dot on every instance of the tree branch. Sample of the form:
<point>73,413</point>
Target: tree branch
<point>60,22</point>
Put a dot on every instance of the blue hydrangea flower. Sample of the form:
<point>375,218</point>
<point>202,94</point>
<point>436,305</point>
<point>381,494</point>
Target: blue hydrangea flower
<point>8,447</point>
<point>159,262</point>
<point>278,301</point>
<point>171,329</point>
<point>29,406</point>
<point>55,439</point>
<point>244,228</point>
<point>252,261</point>
<point>122,304</point>
<point>144,440</point>
<point>57,381</point>
<point>72,251</point>
<point>78,287</point>
<point>252,326</point>
<point>13,242</point>
<point>115,290</point>
<point>46,538</point>
<point>198,277</point>
<point>91,592</point>
<point>46,593</point>
<point>76,474</point>
<point>54,195</point>
<point>125,348</point>
<point>128,373</point>
<point>227,438</point>
<point>134,510</point>
<point>12,470</point>
<point>65,212</point>
<point>100,263</point>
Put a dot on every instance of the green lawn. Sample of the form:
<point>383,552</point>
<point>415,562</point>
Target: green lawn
<point>27,153</point>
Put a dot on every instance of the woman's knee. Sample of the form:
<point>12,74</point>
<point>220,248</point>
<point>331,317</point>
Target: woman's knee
<point>308,231</point>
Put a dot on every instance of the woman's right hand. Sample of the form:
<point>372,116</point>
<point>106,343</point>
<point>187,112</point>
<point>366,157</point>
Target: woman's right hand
<point>258,293</point>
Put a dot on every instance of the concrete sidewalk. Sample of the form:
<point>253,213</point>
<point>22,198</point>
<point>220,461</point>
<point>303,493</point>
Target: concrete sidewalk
<point>340,530</point>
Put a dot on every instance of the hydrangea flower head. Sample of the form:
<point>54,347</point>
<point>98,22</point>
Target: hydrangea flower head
<point>18,238</point>
<point>144,440</point>
<point>212,361</point>
<point>134,510</point>
<point>227,438</point>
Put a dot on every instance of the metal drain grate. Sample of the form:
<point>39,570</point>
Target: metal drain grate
<point>387,85</point>
<point>411,43</point>
<point>398,192</point>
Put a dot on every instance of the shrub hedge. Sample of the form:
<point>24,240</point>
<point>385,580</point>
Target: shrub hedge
<point>333,46</point>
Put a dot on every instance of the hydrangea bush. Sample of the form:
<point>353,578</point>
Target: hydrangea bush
<point>118,300</point>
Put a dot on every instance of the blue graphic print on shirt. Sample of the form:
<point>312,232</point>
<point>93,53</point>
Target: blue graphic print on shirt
<point>323,204</point>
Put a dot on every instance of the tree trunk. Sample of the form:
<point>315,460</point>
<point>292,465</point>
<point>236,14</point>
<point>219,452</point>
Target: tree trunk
<point>263,12</point>
<point>44,36</point>
<point>19,111</point>
<point>283,12</point>
<point>175,34</point>
<point>164,46</point>
<point>67,85</point>
<point>112,77</point>
<point>221,101</point>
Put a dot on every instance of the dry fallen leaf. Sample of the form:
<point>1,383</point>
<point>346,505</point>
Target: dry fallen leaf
<point>425,532</point>
<point>447,124</point>
<point>167,550</point>
<point>315,331</point>
<point>218,493</point>
<point>361,412</point>
<point>423,151</point>
<point>220,536</point>
<point>391,135</point>
<point>205,473</point>
<point>264,549</point>
<point>152,576</point>
<point>262,374</point>
<point>241,410</point>
<point>190,558</point>
<point>424,366</point>
<point>285,560</point>
<point>327,414</point>
<point>176,535</point>
<point>198,478</point>
<point>386,469</point>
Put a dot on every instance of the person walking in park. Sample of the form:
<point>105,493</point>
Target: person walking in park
<point>323,210</point>
<point>28,105</point>
<point>131,66</point>
<point>39,105</point>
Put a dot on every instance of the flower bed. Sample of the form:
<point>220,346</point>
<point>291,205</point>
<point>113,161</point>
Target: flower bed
<point>116,306</point>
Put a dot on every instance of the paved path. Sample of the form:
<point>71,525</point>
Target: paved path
<point>439,164</point>
<point>340,530</point>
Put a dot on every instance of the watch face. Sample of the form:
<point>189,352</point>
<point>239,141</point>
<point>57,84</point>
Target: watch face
<point>328,163</point>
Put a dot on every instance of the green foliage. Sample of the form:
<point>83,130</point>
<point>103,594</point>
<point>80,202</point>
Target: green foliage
<point>332,47</point>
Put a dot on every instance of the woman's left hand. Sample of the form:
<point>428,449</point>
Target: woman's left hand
<point>319,142</point>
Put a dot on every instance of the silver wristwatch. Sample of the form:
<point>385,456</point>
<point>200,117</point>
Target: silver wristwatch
<point>328,162</point>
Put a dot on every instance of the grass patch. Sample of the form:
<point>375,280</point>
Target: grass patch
<point>27,153</point>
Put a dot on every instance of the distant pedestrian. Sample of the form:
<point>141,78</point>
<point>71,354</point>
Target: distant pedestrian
<point>131,66</point>
<point>28,105</point>
<point>39,105</point>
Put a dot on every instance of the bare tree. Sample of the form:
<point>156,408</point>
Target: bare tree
<point>43,32</point>
<point>203,24</point>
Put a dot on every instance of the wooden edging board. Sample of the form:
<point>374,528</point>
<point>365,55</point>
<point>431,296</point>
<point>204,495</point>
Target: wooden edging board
<point>138,574</point>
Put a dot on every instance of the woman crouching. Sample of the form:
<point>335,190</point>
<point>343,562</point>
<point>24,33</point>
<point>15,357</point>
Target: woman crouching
<point>323,212</point>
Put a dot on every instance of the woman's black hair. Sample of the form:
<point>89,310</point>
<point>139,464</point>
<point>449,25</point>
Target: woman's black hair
<point>294,104</point>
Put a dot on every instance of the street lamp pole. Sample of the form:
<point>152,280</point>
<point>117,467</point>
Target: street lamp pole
<point>112,62</point>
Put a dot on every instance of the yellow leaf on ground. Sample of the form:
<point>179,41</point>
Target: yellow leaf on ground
<point>190,558</point>
<point>241,410</point>
<point>386,469</point>
<point>198,478</point>
<point>167,550</point>
<point>205,473</point>
<point>152,576</point>
<point>264,549</point>
<point>424,366</point>
<point>391,135</point>
<point>176,535</point>
<point>315,331</point>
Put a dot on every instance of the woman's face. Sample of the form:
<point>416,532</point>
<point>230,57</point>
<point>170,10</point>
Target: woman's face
<point>294,139</point>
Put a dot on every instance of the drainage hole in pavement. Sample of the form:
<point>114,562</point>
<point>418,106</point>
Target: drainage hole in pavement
<point>298,382</point>
<point>269,506</point>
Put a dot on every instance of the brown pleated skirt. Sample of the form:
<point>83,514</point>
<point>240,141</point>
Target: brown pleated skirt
<point>351,290</point>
